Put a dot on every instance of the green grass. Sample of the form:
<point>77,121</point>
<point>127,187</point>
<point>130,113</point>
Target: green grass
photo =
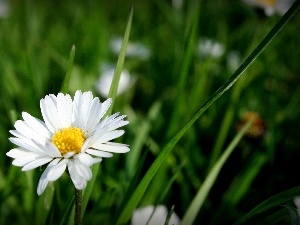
<point>184,109</point>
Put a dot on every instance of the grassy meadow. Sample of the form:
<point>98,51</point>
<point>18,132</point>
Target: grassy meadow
<point>193,144</point>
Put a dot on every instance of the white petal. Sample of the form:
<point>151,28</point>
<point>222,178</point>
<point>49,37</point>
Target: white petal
<point>117,124</point>
<point>83,170</point>
<point>105,106</point>
<point>48,148</point>
<point>43,182</point>
<point>99,153</point>
<point>112,147</point>
<point>85,159</point>
<point>36,163</point>
<point>57,170</point>
<point>37,125</point>
<point>18,152</point>
<point>27,132</point>
<point>94,116</point>
<point>97,160</point>
<point>82,106</point>
<point>78,181</point>
<point>49,112</point>
<point>64,110</point>
<point>26,144</point>
<point>109,136</point>
<point>22,161</point>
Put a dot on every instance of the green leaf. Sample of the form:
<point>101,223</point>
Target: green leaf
<point>202,193</point>
<point>279,199</point>
<point>139,192</point>
<point>65,85</point>
<point>44,204</point>
<point>117,74</point>
<point>133,182</point>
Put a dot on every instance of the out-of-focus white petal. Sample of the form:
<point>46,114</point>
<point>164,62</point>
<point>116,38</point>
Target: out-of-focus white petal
<point>43,182</point>
<point>85,159</point>
<point>78,181</point>
<point>57,170</point>
<point>99,153</point>
<point>112,147</point>
<point>152,215</point>
<point>83,170</point>
<point>97,160</point>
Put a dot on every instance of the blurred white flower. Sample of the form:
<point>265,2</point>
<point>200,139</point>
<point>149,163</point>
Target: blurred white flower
<point>272,6</point>
<point>233,60</point>
<point>137,50</point>
<point>104,82</point>
<point>209,47</point>
<point>177,4</point>
<point>4,8</point>
<point>297,203</point>
<point>72,137</point>
<point>141,216</point>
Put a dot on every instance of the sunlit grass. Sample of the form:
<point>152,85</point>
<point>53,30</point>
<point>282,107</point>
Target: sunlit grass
<point>169,161</point>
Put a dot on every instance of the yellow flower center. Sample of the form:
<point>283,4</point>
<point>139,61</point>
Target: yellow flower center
<point>270,3</point>
<point>68,140</point>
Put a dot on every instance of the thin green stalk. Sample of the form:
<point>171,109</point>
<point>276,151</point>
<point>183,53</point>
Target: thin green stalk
<point>203,191</point>
<point>117,74</point>
<point>141,188</point>
<point>65,85</point>
<point>78,207</point>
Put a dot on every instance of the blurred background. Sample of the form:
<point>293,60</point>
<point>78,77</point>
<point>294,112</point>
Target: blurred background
<point>179,53</point>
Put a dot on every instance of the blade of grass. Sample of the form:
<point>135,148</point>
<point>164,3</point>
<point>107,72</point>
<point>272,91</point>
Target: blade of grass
<point>112,94</point>
<point>244,180</point>
<point>117,74</point>
<point>139,192</point>
<point>279,199</point>
<point>179,105</point>
<point>141,135</point>
<point>133,182</point>
<point>43,205</point>
<point>65,85</point>
<point>203,191</point>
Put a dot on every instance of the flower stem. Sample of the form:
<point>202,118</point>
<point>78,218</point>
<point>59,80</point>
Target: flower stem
<point>78,204</point>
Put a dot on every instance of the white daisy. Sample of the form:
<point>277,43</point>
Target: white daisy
<point>104,82</point>
<point>151,215</point>
<point>72,137</point>
<point>272,6</point>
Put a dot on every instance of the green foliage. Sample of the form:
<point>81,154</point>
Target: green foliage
<point>186,103</point>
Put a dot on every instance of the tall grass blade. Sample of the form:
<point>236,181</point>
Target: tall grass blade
<point>65,85</point>
<point>139,192</point>
<point>202,193</point>
<point>279,199</point>
<point>117,74</point>
<point>112,94</point>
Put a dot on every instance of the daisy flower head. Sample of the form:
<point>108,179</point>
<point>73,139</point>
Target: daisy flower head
<point>153,215</point>
<point>73,136</point>
<point>272,6</point>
